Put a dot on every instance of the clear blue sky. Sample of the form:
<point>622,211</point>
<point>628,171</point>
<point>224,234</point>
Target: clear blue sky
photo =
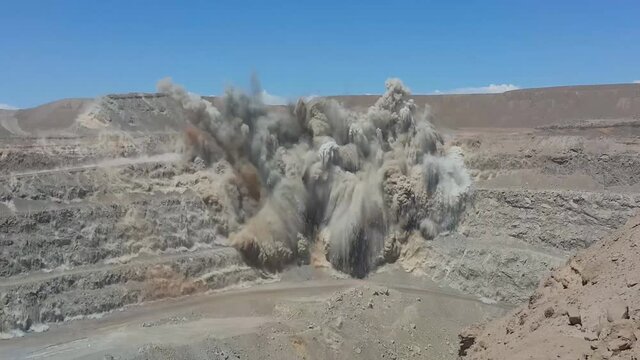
<point>57,49</point>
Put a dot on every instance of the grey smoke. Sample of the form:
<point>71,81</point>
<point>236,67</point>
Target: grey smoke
<point>352,182</point>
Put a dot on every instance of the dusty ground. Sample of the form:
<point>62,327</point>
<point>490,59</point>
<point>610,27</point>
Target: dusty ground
<point>389,315</point>
<point>98,213</point>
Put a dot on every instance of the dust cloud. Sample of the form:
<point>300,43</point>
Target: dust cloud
<point>354,185</point>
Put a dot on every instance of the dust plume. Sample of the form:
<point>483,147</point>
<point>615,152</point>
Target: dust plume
<point>355,184</point>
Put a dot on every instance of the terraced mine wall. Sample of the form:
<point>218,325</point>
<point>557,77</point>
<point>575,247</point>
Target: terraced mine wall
<point>91,239</point>
<point>81,234</point>
<point>541,194</point>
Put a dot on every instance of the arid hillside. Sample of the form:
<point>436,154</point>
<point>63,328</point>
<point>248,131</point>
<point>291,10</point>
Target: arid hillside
<point>526,108</point>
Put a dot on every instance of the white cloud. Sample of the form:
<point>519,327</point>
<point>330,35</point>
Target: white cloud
<point>636,81</point>
<point>271,99</point>
<point>489,89</point>
<point>7,107</point>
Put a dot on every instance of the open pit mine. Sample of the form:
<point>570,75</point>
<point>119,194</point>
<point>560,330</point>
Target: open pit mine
<point>170,225</point>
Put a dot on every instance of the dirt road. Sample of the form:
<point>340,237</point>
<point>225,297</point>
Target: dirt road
<point>270,315</point>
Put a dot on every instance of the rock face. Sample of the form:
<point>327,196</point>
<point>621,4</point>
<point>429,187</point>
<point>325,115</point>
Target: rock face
<point>587,309</point>
<point>98,210</point>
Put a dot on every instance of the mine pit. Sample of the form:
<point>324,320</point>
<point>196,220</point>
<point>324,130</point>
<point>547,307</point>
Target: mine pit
<point>171,225</point>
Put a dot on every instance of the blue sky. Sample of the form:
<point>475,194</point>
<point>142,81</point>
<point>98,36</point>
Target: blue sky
<point>57,49</point>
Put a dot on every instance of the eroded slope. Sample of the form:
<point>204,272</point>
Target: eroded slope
<point>589,308</point>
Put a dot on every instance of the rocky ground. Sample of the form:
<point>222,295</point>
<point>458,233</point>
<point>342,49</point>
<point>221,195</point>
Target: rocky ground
<point>587,309</point>
<point>100,212</point>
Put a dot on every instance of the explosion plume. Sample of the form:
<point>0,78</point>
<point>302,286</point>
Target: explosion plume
<point>358,183</point>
